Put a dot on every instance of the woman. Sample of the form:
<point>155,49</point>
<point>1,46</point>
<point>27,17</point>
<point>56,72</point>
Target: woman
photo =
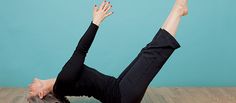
<point>77,79</point>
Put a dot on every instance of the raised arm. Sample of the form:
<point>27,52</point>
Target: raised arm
<point>99,14</point>
<point>43,87</point>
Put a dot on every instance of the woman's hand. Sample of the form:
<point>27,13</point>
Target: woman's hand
<point>100,13</point>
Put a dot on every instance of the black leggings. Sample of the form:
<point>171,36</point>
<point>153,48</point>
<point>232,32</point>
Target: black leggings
<point>135,79</point>
<point>137,76</point>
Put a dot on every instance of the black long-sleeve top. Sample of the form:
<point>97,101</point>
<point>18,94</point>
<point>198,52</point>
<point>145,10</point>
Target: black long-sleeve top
<point>91,82</point>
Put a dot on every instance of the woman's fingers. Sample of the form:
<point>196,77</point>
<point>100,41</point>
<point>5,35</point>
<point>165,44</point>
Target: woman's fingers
<point>108,8</point>
<point>105,6</point>
<point>102,5</point>
<point>95,8</point>
<point>108,14</point>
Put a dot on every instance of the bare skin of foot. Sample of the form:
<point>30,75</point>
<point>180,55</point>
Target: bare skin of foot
<point>182,7</point>
<point>179,9</point>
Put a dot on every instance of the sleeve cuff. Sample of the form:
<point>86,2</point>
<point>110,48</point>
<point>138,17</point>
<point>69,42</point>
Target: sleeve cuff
<point>94,25</point>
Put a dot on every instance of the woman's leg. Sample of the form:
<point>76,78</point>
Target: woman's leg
<point>170,25</point>
<point>68,76</point>
<point>138,75</point>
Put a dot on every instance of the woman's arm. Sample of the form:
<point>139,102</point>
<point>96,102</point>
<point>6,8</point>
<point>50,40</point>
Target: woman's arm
<point>99,14</point>
<point>42,87</point>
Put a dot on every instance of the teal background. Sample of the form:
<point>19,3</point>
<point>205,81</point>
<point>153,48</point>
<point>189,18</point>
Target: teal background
<point>37,37</point>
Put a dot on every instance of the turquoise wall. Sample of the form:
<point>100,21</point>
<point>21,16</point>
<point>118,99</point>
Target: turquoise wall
<point>38,36</point>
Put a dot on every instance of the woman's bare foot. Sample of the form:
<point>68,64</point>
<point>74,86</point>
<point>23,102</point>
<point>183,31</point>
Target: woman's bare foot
<point>41,87</point>
<point>182,7</point>
<point>179,9</point>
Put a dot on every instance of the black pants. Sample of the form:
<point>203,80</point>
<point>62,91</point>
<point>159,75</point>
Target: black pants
<point>135,79</point>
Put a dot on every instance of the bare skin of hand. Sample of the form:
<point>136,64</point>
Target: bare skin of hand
<point>101,12</point>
